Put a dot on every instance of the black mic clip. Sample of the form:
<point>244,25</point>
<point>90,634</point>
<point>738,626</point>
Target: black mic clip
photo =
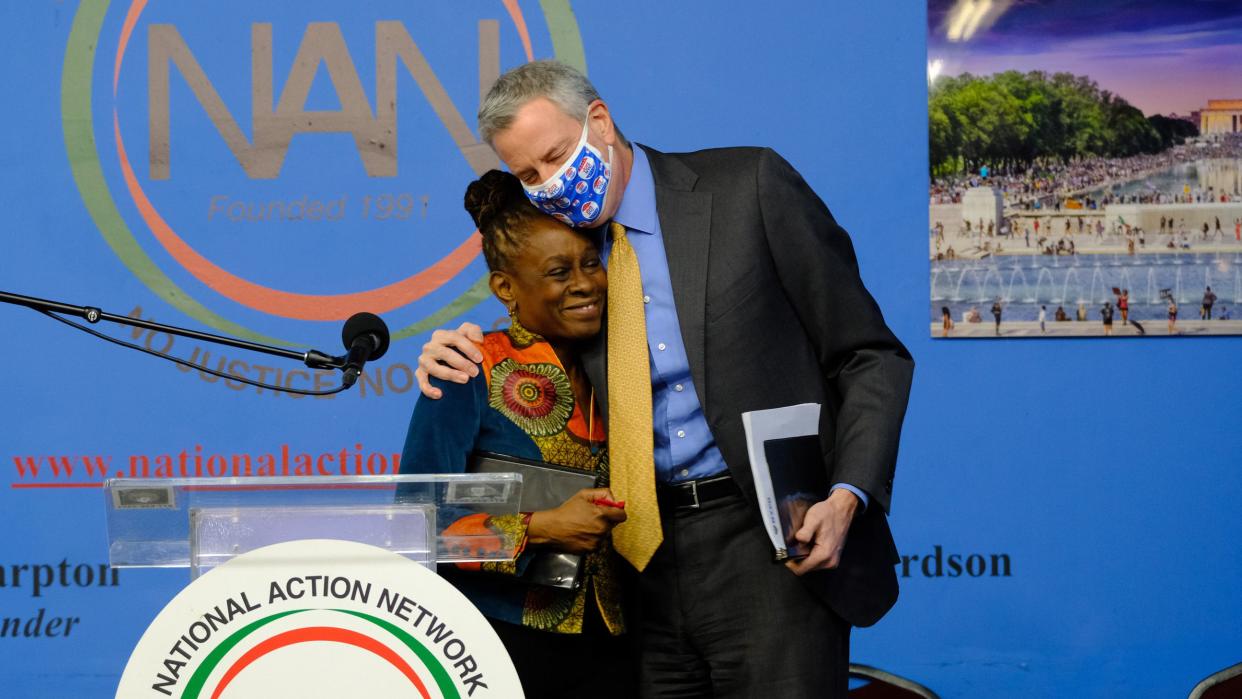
<point>318,360</point>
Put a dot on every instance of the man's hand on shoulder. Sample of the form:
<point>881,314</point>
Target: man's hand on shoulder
<point>450,355</point>
<point>827,524</point>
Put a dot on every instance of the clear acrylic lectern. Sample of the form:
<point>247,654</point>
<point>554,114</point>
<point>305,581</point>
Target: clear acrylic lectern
<point>200,523</point>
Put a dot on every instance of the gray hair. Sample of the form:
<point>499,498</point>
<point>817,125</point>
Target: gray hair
<point>553,80</point>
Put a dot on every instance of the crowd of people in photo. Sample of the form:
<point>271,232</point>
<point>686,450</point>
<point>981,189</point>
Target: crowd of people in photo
<point>1107,312</point>
<point>1057,236</point>
<point>1059,209</point>
<point>1049,185</point>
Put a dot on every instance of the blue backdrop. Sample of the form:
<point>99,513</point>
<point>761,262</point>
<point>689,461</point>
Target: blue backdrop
<point>1094,481</point>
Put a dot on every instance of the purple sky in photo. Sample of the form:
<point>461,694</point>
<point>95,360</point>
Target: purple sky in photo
<point>1160,56</point>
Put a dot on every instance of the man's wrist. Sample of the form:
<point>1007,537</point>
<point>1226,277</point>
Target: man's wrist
<point>858,502</point>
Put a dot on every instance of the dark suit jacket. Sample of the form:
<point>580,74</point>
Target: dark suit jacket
<point>773,313</point>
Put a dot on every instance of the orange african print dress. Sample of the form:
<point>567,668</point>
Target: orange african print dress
<point>521,404</point>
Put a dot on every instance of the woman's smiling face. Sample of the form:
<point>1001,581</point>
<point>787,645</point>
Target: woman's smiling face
<point>556,280</point>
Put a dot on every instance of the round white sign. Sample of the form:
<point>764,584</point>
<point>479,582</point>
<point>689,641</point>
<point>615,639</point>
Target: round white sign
<point>324,619</point>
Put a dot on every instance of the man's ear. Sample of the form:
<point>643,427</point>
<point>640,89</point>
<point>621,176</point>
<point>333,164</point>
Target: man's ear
<point>502,287</point>
<point>601,125</point>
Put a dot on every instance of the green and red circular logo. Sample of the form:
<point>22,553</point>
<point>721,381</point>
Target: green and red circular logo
<point>322,619</point>
<point>258,167</point>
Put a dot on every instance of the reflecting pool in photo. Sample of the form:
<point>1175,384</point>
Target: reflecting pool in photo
<point>1024,282</point>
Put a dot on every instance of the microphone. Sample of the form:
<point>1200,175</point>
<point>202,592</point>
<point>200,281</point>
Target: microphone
<point>366,338</point>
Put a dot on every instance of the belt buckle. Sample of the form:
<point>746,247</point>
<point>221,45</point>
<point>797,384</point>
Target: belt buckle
<point>694,493</point>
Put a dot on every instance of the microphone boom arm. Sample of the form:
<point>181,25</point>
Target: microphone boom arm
<point>311,358</point>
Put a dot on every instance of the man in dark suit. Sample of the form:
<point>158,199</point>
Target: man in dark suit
<point>752,300</point>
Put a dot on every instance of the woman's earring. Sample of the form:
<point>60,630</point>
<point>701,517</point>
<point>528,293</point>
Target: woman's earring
<point>518,333</point>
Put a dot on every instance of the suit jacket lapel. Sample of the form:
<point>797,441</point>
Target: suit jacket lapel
<point>595,362</point>
<point>685,223</point>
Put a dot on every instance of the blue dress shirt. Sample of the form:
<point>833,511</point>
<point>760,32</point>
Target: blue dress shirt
<point>684,446</point>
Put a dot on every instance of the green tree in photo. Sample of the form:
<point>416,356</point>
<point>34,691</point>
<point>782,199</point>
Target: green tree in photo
<point>1014,121</point>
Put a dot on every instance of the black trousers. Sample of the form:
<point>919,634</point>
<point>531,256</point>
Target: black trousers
<point>718,618</point>
<point>567,666</point>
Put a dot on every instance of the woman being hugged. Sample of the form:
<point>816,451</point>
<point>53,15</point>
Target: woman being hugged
<point>531,399</point>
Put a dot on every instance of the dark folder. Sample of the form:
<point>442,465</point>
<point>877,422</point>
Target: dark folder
<point>544,486</point>
<point>798,481</point>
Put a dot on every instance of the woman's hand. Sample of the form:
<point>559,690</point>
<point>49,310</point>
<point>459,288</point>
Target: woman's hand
<point>578,525</point>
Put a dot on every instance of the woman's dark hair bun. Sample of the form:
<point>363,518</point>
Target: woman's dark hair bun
<point>491,194</point>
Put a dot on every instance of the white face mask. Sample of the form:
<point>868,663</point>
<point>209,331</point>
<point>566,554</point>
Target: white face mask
<point>575,194</point>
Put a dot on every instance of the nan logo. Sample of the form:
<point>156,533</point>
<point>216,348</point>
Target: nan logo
<point>261,167</point>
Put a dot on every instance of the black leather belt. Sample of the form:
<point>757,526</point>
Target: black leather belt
<point>691,495</point>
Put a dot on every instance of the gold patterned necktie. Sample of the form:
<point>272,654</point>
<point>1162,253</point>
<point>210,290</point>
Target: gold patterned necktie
<point>630,440</point>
